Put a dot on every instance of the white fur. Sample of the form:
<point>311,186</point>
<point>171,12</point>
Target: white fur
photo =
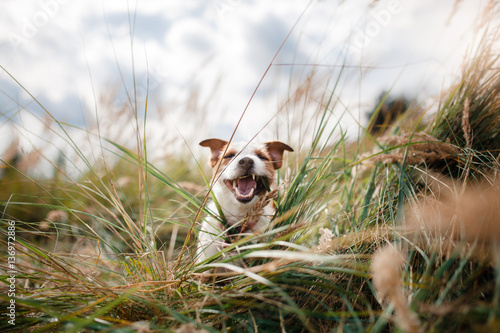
<point>210,235</point>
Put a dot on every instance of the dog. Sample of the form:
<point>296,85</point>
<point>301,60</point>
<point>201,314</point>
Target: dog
<point>243,174</point>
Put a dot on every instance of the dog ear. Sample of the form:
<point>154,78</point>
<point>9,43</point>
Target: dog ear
<point>276,150</point>
<point>216,146</point>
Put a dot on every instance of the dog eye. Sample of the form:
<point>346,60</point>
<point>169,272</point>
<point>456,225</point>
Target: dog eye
<point>229,156</point>
<point>262,157</point>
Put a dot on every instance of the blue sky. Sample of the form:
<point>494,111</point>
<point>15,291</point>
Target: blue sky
<point>69,54</point>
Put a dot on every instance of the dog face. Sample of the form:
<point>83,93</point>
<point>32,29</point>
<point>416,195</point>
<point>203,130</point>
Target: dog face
<point>243,172</point>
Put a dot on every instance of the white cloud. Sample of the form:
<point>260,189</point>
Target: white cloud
<point>78,50</point>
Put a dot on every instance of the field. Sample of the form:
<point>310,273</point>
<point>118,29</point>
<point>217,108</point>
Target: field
<point>394,230</point>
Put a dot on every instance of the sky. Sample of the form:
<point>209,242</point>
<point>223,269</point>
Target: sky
<point>200,61</point>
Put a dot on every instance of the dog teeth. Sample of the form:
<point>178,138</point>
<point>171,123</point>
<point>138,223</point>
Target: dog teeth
<point>249,195</point>
<point>234,184</point>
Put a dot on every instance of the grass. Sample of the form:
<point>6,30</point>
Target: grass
<point>387,233</point>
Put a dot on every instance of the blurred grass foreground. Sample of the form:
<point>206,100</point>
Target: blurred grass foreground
<point>397,230</point>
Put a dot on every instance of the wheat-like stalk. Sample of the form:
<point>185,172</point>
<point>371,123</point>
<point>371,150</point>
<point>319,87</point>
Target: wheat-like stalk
<point>386,269</point>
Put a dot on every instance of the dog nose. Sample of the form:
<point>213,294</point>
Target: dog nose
<point>246,163</point>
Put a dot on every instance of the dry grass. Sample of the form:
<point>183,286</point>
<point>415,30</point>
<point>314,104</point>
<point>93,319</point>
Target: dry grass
<point>386,267</point>
<point>415,149</point>
<point>458,211</point>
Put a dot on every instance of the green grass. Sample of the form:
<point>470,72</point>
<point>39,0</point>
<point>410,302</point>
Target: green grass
<point>120,257</point>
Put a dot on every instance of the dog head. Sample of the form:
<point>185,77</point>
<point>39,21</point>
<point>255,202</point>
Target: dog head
<point>244,172</point>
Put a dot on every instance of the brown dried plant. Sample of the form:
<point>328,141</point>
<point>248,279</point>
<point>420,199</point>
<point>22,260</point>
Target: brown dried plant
<point>386,269</point>
<point>458,211</point>
<point>416,149</point>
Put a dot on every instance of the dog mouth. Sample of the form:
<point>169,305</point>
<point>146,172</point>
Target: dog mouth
<point>246,187</point>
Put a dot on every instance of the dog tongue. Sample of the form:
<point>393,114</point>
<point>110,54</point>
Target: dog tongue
<point>245,185</point>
